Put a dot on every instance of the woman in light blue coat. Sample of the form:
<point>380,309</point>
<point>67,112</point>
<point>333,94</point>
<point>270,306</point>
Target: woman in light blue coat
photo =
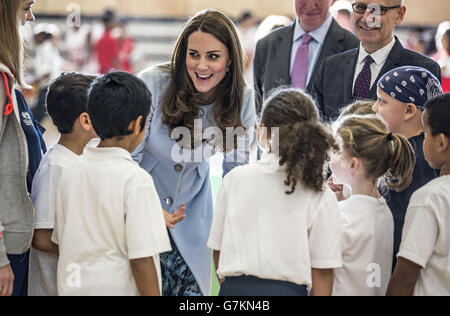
<point>200,106</point>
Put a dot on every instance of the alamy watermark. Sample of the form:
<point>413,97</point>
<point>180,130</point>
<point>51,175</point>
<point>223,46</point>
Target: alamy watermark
<point>74,18</point>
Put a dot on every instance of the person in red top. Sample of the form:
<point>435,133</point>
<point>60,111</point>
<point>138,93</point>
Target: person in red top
<point>445,63</point>
<point>126,48</point>
<point>107,46</point>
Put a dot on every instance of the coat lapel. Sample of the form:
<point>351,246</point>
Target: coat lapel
<point>349,72</point>
<point>393,61</point>
<point>282,55</point>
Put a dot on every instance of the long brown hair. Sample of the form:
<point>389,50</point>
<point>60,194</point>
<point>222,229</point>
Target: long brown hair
<point>304,142</point>
<point>386,156</point>
<point>181,104</point>
<point>11,48</point>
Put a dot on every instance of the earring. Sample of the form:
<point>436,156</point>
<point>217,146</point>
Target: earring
<point>228,69</point>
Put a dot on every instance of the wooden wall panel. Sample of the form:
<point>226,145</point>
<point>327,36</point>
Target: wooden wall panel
<point>430,12</point>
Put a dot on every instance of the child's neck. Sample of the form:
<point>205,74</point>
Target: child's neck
<point>411,129</point>
<point>73,142</point>
<point>365,187</point>
<point>445,169</point>
<point>114,142</point>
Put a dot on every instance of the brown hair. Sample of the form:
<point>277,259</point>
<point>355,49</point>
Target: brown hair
<point>360,107</point>
<point>181,104</point>
<point>11,48</point>
<point>304,142</point>
<point>385,155</point>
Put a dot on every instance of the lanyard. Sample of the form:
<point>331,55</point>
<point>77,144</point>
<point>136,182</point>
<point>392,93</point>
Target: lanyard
<point>9,107</point>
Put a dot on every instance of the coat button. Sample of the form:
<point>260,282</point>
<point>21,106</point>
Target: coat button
<point>178,168</point>
<point>169,201</point>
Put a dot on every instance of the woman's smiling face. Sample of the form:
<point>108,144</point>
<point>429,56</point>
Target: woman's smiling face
<point>207,60</point>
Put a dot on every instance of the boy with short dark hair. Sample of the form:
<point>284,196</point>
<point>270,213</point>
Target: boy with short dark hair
<point>423,267</point>
<point>110,226</point>
<point>67,105</point>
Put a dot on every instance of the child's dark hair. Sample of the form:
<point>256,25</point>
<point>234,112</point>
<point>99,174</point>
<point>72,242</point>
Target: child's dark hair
<point>115,100</point>
<point>438,115</point>
<point>304,143</point>
<point>386,156</point>
<point>67,99</point>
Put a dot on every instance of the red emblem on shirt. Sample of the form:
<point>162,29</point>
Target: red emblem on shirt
<point>9,106</point>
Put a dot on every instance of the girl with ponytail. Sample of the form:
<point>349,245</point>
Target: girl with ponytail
<point>371,157</point>
<point>276,223</point>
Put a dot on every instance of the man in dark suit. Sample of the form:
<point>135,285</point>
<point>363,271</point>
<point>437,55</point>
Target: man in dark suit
<point>353,75</point>
<point>291,55</point>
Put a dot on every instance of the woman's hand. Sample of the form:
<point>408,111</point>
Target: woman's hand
<point>6,281</point>
<point>175,218</point>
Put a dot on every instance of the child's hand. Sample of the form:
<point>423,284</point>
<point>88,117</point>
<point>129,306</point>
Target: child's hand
<point>175,218</point>
<point>338,189</point>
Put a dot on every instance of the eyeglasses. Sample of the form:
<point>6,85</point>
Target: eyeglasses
<point>374,8</point>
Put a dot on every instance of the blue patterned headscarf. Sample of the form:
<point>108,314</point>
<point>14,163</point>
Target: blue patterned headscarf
<point>410,84</point>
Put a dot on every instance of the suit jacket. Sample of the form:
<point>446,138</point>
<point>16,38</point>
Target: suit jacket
<point>273,57</point>
<point>333,87</point>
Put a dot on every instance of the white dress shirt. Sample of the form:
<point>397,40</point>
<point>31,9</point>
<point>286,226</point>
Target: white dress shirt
<point>380,57</point>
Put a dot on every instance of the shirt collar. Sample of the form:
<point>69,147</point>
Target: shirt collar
<point>379,56</point>
<point>107,152</point>
<point>318,35</point>
<point>269,163</point>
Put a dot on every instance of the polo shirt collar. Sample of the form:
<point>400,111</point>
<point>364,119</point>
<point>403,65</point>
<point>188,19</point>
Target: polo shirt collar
<point>107,152</point>
<point>269,163</point>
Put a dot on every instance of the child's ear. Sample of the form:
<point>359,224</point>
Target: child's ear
<point>135,126</point>
<point>85,121</point>
<point>443,145</point>
<point>355,163</point>
<point>411,111</point>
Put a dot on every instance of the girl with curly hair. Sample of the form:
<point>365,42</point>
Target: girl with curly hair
<point>276,223</point>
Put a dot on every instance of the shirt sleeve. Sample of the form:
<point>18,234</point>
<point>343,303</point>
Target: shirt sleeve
<point>146,231</point>
<point>218,224</point>
<point>420,234</point>
<point>241,155</point>
<point>325,233</point>
<point>43,194</point>
<point>3,100</point>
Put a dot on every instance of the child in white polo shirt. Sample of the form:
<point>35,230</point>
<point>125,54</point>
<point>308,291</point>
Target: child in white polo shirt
<point>109,223</point>
<point>423,267</point>
<point>276,224</point>
<point>368,154</point>
<point>67,106</point>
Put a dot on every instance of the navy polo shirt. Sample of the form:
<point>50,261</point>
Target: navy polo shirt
<point>33,132</point>
<point>399,201</point>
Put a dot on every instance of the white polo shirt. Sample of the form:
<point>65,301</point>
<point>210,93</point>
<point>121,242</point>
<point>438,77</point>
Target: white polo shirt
<point>261,231</point>
<point>43,266</point>
<point>367,247</point>
<point>426,237</point>
<point>108,213</point>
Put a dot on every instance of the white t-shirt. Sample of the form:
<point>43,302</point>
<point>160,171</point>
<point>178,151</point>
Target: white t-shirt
<point>108,213</point>
<point>367,247</point>
<point>426,237</point>
<point>42,274</point>
<point>261,231</point>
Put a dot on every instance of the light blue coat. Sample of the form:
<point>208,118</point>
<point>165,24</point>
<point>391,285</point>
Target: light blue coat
<point>188,182</point>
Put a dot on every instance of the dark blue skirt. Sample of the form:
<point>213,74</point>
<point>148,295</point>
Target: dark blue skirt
<point>253,286</point>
